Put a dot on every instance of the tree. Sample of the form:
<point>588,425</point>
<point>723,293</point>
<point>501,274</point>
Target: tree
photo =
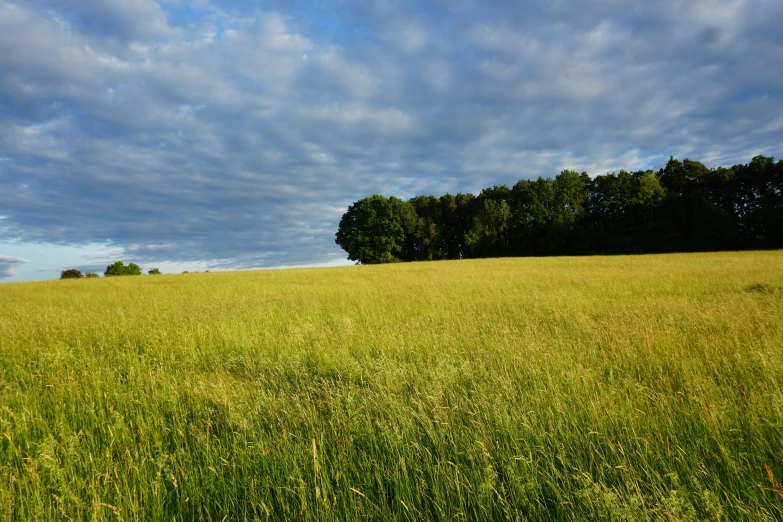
<point>651,192</point>
<point>759,202</point>
<point>489,235</point>
<point>120,269</point>
<point>456,220</point>
<point>685,206</point>
<point>405,215</point>
<point>373,229</point>
<point>71,273</point>
<point>154,271</point>
<point>611,212</point>
<point>423,243</point>
<point>91,275</point>
<point>529,215</point>
<point>674,176</point>
<point>565,199</point>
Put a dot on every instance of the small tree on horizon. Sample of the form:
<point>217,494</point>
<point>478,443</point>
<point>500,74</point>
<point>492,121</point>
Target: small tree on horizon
<point>91,275</point>
<point>120,269</point>
<point>71,273</point>
<point>154,271</point>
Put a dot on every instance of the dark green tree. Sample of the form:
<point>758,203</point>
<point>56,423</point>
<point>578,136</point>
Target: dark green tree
<point>71,273</point>
<point>456,219</point>
<point>529,215</point>
<point>684,206</point>
<point>759,202</point>
<point>424,243</point>
<point>373,229</point>
<point>611,215</point>
<point>120,269</point>
<point>489,235</point>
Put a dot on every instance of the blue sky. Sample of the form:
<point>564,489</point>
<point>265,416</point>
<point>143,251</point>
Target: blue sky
<point>233,134</point>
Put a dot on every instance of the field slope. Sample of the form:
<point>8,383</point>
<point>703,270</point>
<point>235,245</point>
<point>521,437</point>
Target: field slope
<point>602,388</point>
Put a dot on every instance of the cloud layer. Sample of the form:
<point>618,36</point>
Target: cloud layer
<point>8,266</point>
<point>221,132</point>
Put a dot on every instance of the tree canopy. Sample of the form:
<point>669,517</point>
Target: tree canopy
<point>120,269</point>
<point>685,206</point>
<point>374,229</point>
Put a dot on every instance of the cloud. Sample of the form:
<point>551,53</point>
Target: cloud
<point>8,266</point>
<point>228,133</point>
<point>113,19</point>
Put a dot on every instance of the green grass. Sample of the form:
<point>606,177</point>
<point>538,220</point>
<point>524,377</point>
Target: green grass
<point>603,388</point>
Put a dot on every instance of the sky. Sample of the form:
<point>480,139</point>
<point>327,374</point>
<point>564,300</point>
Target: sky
<point>233,134</point>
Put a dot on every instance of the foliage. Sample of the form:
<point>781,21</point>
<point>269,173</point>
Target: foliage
<point>373,230</point>
<point>590,388</point>
<point>120,269</point>
<point>91,275</point>
<point>154,271</point>
<point>684,206</point>
<point>71,273</point>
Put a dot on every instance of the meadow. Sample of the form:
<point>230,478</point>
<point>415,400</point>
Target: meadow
<point>600,388</point>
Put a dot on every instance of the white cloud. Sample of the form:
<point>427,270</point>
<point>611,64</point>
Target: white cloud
<point>9,265</point>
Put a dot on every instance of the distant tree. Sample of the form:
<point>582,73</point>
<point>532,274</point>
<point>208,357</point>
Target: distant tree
<point>759,201</point>
<point>71,273</point>
<point>529,216</point>
<point>683,207</point>
<point>489,235</point>
<point>565,199</point>
<point>421,240</point>
<point>674,176</point>
<point>456,220</point>
<point>373,230</point>
<point>91,275</point>
<point>120,269</point>
<point>651,192</point>
<point>115,269</point>
<point>154,271</point>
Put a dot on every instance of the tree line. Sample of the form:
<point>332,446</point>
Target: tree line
<point>683,207</point>
<point>118,268</point>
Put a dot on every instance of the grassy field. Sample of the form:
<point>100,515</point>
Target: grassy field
<point>602,388</point>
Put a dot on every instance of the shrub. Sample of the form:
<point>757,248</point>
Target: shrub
<point>91,275</point>
<point>154,271</point>
<point>761,288</point>
<point>71,273</point>
<point>119,269</point>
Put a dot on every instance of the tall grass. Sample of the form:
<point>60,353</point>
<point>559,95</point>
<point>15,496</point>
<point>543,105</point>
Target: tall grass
<point>603,388</point>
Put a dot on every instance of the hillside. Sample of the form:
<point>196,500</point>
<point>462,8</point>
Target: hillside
<point>628,387</point>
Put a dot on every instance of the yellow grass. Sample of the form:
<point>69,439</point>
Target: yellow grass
<point>615,388</point>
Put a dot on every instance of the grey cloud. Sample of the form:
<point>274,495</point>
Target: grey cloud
<point>240,138</point>
<point>114,19</point>
<point>8,266</point>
